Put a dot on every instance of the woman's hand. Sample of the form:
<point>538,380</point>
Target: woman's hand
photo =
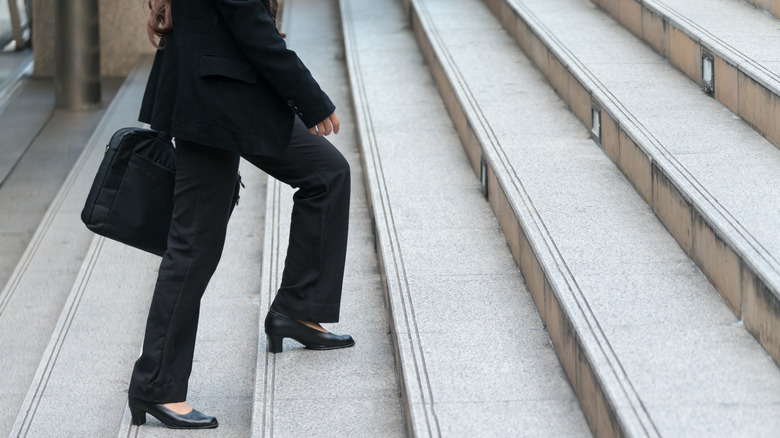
<point>325,127</point>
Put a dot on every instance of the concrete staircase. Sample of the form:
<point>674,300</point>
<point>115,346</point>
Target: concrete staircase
<point>648,344</point>
<point>554,232</point>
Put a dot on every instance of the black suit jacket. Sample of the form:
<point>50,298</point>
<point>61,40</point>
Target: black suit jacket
<point>226,79</point>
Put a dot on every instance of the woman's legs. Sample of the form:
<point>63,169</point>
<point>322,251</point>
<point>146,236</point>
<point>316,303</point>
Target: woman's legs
<point>205,181</point>
<point>314,267</point>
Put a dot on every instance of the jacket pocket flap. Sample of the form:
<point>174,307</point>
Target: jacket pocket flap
<point>234,68</point>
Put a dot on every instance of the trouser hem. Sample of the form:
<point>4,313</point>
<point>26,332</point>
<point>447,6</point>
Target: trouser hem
<point>321,313</point>
<point>160,394</point>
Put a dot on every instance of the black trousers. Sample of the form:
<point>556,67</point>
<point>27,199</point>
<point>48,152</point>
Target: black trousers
<point>314,268</point>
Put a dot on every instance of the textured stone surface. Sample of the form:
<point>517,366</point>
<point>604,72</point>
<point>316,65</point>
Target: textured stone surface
<point>508,418</point>
<point>345,417</point>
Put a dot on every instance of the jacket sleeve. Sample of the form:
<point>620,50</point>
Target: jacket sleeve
<point>256,33</point>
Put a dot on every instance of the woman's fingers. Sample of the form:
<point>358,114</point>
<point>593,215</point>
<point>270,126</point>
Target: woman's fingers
<point>319,129</point>
<point>325,127</point>
<point>335,121</point>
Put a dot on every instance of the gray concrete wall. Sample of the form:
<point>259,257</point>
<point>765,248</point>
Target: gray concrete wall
<point>122,36</point>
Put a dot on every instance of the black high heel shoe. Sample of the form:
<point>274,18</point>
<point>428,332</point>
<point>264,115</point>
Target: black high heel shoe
<point>278,327</point>
<point>193,420</point>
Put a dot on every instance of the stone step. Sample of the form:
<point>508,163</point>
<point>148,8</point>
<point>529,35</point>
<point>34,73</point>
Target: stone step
<point>39,286</point>
<point>735,45</point>
<point>708,176</point>
<point>647,342</point>
<point>472,355</point>
<point>343,393</point>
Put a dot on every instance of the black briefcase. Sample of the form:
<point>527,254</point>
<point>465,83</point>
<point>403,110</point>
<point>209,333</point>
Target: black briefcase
<point>131,199</point>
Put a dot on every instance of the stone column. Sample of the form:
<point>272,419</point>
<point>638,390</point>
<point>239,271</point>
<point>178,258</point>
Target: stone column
<point>122,36</point>
<point>77,54</point>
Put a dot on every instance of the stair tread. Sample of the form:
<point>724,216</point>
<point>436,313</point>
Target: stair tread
<point>679,344</point>
<point>473,357</point>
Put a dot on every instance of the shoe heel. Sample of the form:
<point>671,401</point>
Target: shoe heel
<point>138,415</point>
<point>274,343</point>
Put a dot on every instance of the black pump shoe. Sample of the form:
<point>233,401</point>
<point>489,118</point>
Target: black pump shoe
<point>193,420</point>
<point>278,327</point>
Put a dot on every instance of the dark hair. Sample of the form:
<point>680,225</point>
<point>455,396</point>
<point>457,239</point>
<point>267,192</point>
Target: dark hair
<point>160,22</point>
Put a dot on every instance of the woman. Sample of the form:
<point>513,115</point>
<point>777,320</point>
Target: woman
<point>225,86</point>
